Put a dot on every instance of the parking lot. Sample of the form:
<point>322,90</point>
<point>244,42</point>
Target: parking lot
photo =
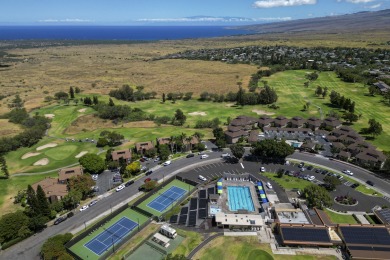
<point>105,182</point>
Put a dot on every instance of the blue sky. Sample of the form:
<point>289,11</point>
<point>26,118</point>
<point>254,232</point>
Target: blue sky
<point>177,12</point>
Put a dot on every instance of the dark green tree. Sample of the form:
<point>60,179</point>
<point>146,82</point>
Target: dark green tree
<point>163,97</point>
<point>164,152</point>
<point>92,163</point>
<point>332,182</point>
<point>240,96</point>
<point>237,150</point>
<point>3,167</point>
<point>111,102</point>
<point>71,92</point>
<point>33,206</point>
<point>374,128</point>
<point>350,117</point>
<point>43,203</point>
<point>95,100</point>
<point>77,90</point>
<point>179,118</point>
<point>13,225</point>
<point>317,196</point>
<point>272,149</point>
<point>54,247</point>
<point>82,184</point>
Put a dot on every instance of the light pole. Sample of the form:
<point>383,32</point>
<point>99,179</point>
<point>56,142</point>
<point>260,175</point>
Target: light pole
<point>138,223</point>
<point>113,245</point>
<point>85,226</point>
<point>111,207</point>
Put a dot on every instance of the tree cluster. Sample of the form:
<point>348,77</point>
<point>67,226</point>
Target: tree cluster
<point>54,247</point>
<point>219,136</point>
<point>272,149</point>
<point>213,123</point>
<point>92,163</point>
<point>178,96</point>
<point>127,93</point>
<point>317,196</point>
<point>321,91</point>
<point>120,112</point>
<point>109,138</point>
<point>342,102</point>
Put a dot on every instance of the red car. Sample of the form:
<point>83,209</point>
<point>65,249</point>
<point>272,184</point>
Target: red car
<point>147,180</point>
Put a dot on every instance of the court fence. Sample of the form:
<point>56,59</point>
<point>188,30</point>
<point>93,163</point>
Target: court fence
<point>130,252</point>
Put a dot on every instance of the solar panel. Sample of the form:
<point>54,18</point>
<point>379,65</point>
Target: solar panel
<point>369,248</point>
<point>192,219</point>
<point>305,234</point>
<point>202,203</point>
<point>202,213</point>
<point>184,211</point>
<point>366,235</point>
<point>202,194</point>
<point>384,214</point>
<point>194,204</point>
<point>211,190</point>
<point>173,219</point>
<point>183,219</point>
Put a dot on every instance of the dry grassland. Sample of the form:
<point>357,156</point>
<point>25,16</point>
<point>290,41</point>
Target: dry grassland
<point>8,129</point>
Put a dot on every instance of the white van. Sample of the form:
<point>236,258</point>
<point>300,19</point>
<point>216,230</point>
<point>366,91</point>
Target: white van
<point>167,163</point>
<point>204,156</point>
<point>202,178</point>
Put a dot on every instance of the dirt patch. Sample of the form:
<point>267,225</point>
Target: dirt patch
<point>49,145</point>
<point>81,154</point>
<point>41,162</point>
<point>8,128</point>
<point>230,105</point>
<point>50,116</point>
<point>197,113</point>
<point>262,112</point>
<point>28,155</point>
<point>82,110</point>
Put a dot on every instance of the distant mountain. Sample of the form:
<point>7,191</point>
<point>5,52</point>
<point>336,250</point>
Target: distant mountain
<point>362,21</point>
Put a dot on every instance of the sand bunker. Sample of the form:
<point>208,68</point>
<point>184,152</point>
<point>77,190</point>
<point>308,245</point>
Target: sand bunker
<point>262,112</point>
<point>81,154</point>
<point>229,105</point>
<point>28,155</point>
<point>49,145</point>
<point>82,110</point>
<point>50,116</point>
<point>197,114</point>
<point>42,162</point>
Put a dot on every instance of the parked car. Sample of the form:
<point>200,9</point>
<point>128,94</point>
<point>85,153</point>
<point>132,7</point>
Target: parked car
<point>202,178</point>
<point>147,180</point>
<point>204,156</point>
<point>144,168</point>
<point>225,155</point>
<point>262,169</point>
<point>120,187</point>
<point>142,160</point>
<point>148,172</point>
<point>309,168</point>
<point>70,214</point>
<point>287,163</point>
<point>201,152</point>
<point>311,178</point>
<point>167,163</point>
<point>269,185</point>
<point>301,165</point>
<point>60,219</point>
<point>157,159</point>
<point>190,155</point>
<point>129,183</point>
<point>93,203</point>
<point>355,185</point>
<point>370,183</point>
<point>348,172</point>
<point>84,207</point>
<point>340,177</point>
<point>303,169</point>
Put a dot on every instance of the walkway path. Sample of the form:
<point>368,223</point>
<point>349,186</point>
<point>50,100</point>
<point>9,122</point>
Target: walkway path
<point>201,245</point>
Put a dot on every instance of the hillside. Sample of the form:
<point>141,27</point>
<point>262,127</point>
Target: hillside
<point>362,21</point>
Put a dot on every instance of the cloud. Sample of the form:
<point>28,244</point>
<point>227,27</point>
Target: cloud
<point>374,6</point>
<point>67,20</point>
<point>282,3</point>
<point>214,19</point>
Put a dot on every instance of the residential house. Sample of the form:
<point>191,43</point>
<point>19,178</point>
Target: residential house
<point>264,121</point>
<point>142,147</point>
<point>234,134</point>
<point>253,136</point>
<point>240,127</point>
<point>371,158</point>
<point>163,140</point>
<point>297,122</point>
<point>313,123</point>
<point>281,121</point>
<point>331,122</point>
<point>245,122</point>
<point>65,174</point>
<point>124,154</point>
<point>190,144</point>
<point>53,189</point>
<point>308,147</point>
<point>382,87</point>
<point>343,155</point>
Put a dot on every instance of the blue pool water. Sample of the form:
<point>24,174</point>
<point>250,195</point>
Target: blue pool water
<point>240,198</point>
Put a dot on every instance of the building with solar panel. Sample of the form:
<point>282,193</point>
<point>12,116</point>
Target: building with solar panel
<point>383,215</point>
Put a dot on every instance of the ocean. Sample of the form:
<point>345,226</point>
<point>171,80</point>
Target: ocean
<point>137,33</point>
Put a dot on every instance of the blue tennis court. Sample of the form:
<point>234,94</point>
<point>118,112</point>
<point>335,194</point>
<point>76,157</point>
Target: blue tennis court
<point>167,198</point>
<point>111,235</point>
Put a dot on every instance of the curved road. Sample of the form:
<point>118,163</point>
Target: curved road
<point>29,248</point>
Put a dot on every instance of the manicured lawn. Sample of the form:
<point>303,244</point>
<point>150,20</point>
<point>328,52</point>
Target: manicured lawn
<point>340,218</point>
<point>288,182</point>
<point>293,95</point>
<point>245,248</point>
<point>191,240</point>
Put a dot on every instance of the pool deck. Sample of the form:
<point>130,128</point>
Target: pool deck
<point>223,200</point>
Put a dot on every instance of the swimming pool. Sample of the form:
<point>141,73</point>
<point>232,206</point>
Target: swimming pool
<point>240,198</point>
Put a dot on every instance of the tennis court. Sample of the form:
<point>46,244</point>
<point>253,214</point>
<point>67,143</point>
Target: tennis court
<point>111,235</point>
<point>167,198</point>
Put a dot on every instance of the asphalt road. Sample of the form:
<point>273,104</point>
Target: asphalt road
<point>29,248</point>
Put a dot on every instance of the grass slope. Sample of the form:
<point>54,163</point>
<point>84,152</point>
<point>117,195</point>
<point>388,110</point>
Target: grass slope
<point>340,218</point>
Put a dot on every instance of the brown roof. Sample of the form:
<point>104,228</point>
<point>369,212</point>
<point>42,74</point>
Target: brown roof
<point>281,120</point>
<point>236,134</point>
<point>314,121</point>
<point>234,128</point>
<point>194,140</point>
<point>338,145</point>
<point>331,121</point>
<point>243,121</point>
<point>265,120</point>
<point>344,154</point>
<point>51,187</point>
<point>253,136</point>
<point>297,120</point>
<point>125,154</point>
<point>67,173</point>
<point>163,140</point>
<point>144,146</point>
<point>309,145</point>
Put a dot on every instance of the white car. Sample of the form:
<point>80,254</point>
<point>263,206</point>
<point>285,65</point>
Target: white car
<point>204,156</point>
<point>84,207</point>
<point>269,185</point>
<point>262,169</point>
<point>348,172</point>
<point>120,187</point>
<point>167,163</point>
<point>225,155</point>
<point>157,159</point>
<point>311,178</point>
